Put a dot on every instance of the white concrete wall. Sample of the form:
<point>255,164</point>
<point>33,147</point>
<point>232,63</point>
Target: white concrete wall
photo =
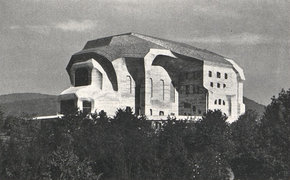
<point>158,74</point>
<point>229,94</point>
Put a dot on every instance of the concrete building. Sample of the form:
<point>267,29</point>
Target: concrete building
<point>155,77</point>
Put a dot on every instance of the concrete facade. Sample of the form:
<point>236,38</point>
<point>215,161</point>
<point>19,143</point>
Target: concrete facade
<point>153,76</point>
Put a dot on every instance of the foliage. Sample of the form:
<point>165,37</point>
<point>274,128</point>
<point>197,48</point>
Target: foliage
<point>94,146</point>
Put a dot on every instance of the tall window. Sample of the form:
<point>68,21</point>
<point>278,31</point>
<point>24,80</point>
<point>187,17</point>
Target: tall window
<point>129,84</point>
<point>187,89</point>
<point>220,101</point>
<point>226,76</point>
<point>218,75</point>
<point>172,93</point>
<point>162,89</point>
<point>151,88</point>
<point>82,77</point>
<point>87,107</point>
<point>211,84</point>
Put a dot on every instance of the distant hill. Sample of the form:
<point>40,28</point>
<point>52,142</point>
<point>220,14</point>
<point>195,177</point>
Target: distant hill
<point>250,104</point>
<point>35,104</point>
<point>42,104</point>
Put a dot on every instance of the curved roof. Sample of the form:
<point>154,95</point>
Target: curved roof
<point>138,45</point>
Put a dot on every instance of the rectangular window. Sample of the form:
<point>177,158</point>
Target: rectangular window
<point>218,85</point>
<point>82,77</point>
<point>87,107</point>
<point>211,84</point>
<point>187,89</point>
<point>226,76</point>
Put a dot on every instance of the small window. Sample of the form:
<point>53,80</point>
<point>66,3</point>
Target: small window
<point>218,75</point>
<point>226,76</point>
<point>215,102</point>
<point>220,101</point>
<point>224,103</point>
<point>211,84</point>
<point>151,112</point>
<point>224,85</point>
<point>87,107</point>
<point>193,108</point>
<point>161,113</point>
<point>187,89</point>
<point>218,85</point>
<point>209,74</point>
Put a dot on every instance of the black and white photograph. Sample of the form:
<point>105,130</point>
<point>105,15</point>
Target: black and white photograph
<point>144,90</point>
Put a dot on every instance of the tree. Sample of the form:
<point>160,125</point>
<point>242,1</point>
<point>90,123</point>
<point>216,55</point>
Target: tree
<point>210,146</point>
<point>275,137</point>
<point>245,162</point>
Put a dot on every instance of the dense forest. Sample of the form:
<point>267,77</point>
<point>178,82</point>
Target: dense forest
<point>125,147</point>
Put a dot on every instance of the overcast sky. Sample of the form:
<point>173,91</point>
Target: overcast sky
<point>38,37</point>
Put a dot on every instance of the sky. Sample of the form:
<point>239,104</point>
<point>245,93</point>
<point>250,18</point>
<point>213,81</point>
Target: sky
<point>38,37</point>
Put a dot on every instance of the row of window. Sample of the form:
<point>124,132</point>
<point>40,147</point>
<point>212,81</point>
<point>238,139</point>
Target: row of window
<point>218,75</point>
<point>219,102</point>
<point>188,105</point>
<point>190,89</point>
<point>193,75</point>
<point>218,85</point>
<point>162,88</point>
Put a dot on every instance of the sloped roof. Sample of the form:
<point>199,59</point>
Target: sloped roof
<point>138,45</point>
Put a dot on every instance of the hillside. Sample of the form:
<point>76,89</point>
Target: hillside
<point>42,104</point>
<point>250,104</point>
<point>35,104</point>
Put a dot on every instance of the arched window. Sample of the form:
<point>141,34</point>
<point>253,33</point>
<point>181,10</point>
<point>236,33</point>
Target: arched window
<point>209,74</point>
<point>162,89</point>
<point>82,77</point>
<point>172,93</point>
<point>218,75</point>
<point>151,88</point>
<point>129,84</point>
<point>218,85</point>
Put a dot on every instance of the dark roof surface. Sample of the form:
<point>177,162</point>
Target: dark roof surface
<point>138,45</point>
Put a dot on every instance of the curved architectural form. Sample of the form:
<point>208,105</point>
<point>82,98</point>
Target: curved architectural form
<point>155,77</point>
